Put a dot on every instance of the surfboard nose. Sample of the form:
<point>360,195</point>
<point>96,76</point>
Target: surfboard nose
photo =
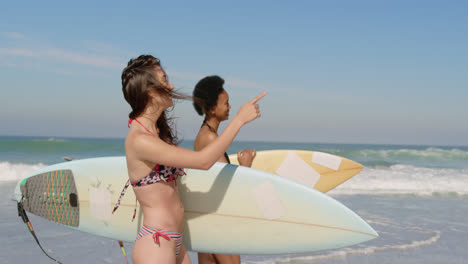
<point>356,222</point>
<point>373,232</point>
<point>367,230</point>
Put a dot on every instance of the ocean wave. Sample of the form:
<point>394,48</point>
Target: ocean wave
<point>394,180</point>
<point>407,179</point>
<point>420,156</point>
<point>389,155</point>
<point>51,139</point>
<point>343,253</point>
<point>17,171</point>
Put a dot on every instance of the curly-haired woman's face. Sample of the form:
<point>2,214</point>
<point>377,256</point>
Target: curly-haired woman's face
<point>221,109</point>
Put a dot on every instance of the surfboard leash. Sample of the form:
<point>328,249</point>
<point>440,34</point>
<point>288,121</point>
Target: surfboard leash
<point>24,216</point>
<point>123,250</point>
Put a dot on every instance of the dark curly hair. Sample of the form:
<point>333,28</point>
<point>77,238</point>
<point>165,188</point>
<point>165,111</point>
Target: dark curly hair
<point>138,79</point>
<point>206,93</point>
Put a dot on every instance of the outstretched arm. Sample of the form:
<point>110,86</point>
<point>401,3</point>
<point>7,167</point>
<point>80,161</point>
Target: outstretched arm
<point>154,150</point>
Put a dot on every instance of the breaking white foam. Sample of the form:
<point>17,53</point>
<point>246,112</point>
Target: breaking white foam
<point>406,179</point>
<point>17,171</point>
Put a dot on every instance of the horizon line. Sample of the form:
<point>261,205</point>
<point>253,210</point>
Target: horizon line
<point>253,141</point>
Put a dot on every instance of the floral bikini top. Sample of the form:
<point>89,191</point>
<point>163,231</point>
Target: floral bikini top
<point>158,173</point>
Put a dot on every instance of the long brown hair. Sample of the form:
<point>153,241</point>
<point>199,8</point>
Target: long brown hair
<point>138,79</point>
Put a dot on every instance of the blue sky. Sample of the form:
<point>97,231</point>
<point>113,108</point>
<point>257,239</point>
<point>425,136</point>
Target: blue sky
<point>388,72</point>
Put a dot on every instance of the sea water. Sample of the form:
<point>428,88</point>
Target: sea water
<point>415,197</point>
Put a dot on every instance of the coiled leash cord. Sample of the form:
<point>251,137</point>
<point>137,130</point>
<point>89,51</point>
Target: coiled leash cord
<point>24,216</point>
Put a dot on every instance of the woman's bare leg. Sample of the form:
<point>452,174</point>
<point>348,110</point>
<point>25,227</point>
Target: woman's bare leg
<point>208,258</point>
<point>183,257</point>
<point>146,251</point>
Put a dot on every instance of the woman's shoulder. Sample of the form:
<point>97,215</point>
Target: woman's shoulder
<point>204,137</point>
<point>137,139</point>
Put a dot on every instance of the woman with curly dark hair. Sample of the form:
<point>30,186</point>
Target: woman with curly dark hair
<point>155,161</point>
<point>211,100</point>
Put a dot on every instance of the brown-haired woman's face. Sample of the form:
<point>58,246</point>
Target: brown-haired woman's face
<point>221,109</point>
<point>164,100</point>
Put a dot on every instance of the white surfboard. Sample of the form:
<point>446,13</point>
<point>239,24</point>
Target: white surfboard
<point>318,170</point>
<point>228,209</point>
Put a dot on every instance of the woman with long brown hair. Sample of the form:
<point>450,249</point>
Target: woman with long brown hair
<point>154,160</point>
